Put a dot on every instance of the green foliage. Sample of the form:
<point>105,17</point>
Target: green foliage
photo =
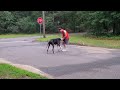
<point>50,27</point>
<point>13,29</point>
<point>94,22</point>
<point>6,20</point>
<point>25,25</point>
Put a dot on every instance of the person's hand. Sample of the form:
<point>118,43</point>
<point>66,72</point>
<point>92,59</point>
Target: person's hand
<point>62,39</point>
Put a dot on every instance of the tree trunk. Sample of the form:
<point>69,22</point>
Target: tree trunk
<point>114,31</point>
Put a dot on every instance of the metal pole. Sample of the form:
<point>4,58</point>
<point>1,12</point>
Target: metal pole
<point>40,29</point>
<point>43,24</point>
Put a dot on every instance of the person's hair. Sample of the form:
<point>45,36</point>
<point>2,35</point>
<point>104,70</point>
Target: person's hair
<point>61,28</point>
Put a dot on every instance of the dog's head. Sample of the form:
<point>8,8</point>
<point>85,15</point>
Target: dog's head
<point>60,39</point>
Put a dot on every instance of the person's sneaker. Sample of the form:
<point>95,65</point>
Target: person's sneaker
<point>64,50</point>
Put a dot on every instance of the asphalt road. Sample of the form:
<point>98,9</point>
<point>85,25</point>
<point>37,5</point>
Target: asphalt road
<point>79,62</point>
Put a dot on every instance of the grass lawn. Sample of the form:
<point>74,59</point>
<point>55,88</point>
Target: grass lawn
<point>107,42</point>
<point>17,35</point>
<point>10,72</point>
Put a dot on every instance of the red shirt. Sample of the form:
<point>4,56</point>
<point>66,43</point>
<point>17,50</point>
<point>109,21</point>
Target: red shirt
<point>64,33</point>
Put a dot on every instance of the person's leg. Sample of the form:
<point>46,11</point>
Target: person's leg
<point>67,41</point>
<point>64,44</point>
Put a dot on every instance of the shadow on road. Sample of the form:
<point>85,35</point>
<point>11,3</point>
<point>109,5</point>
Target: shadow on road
<point>69,69</point>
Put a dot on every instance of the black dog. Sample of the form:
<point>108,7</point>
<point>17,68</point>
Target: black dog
<point>54,42</point>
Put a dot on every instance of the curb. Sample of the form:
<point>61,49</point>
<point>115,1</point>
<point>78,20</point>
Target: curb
<point>27,67</point>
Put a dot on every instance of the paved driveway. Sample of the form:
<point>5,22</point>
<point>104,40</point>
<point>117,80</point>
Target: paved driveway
<point>79,62</point>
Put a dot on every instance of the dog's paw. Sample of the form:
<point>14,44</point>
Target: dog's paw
<point>59,50</point>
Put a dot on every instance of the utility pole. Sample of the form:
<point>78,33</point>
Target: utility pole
<point>43,13</point>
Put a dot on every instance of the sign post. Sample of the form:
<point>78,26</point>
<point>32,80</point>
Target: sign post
<point>43,12</point>
<point>40,29</point>
<point>40,21</point>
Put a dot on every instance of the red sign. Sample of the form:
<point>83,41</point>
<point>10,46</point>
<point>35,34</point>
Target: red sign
<point>40,20</point>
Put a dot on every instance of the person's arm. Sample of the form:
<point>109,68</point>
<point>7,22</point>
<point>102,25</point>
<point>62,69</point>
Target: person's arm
<point>65,35</point>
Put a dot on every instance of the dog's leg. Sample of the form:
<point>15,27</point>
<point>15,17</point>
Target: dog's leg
<point>58,48</point>
<point>48,47</point>
<point>53,48</point>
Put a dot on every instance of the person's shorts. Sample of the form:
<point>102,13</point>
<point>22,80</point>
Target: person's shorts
<point>65,41</point>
